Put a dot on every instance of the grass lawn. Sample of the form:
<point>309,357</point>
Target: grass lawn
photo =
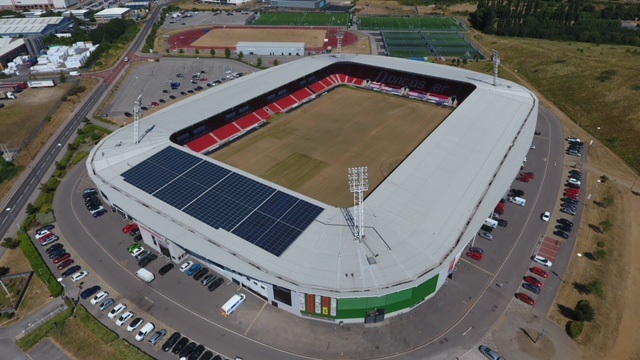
<point>401,23</point>
<point>302,19</point>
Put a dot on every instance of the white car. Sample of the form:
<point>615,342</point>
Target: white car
<point>137,251</point>
<point>546,216</point>
<point>124,318</point>
<point>573,181</point>
<point>79,275</point>
<point>116,310</point>
<point>542,261</point>
<point>42,233</point>
<point>134,324</point>
<point>146,330</point>
<point>185,266</point>
<point>99,296</point>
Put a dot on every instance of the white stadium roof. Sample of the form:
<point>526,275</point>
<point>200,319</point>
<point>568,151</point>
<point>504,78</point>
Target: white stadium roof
<point>414,219</point>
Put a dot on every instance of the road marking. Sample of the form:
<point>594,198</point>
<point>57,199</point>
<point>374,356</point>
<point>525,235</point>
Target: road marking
<point>476,266</point>
<point>255,318</point>
<point>469,329</point>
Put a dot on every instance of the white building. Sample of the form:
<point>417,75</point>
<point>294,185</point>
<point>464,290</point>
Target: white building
<point>271,48</point>
<point>61,58</point>
<point>112,13</point>
<point>36,4</point>
<point>225,2</point>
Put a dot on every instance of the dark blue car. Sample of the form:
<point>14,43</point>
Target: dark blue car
<point>90,292</point>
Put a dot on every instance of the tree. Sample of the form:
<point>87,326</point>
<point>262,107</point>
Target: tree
<point>31,209</point>
<point>608,201</point>
<point>240,55</point>
<point>197,51</point>
<point>595,287</point>
<point>584,311</point>
<point>10,243</point>
<point>276,62</point>
<point>227,52</point>
<point>181,51</point>
<point>167,50</point>
<point>4,270</point>
<point>212,52</point>
<point>63,77</point>
<point>259,62</point>
<point>600,254</point>
<point>575,328</point>
<point>605,225</point>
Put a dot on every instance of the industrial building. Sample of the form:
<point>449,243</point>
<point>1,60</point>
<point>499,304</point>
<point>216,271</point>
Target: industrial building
<point>82,14</point>
<point>225,2</point>
<point>271,48</point>
<point>301,255</point>
<point>299,4</point>
<point>20,27</point>
<point>36,4</point>
<point>107,15</point>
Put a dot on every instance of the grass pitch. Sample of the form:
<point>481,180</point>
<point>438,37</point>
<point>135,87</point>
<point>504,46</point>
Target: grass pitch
<point>404,23</point>
<point>302,19</point>
<point>310,149</point>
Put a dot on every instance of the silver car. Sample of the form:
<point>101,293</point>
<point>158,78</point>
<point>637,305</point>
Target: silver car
<point>486,235</point>
<point>157,336</point>
<point>489,353</point>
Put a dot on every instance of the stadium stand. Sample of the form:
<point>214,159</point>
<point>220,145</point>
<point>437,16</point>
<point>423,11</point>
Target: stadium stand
<point>263,114</point>
<point>226,132</point>
<point>249,121</point>
<point>203,143</point>
<point>286,102</point>
<point>302,95</point>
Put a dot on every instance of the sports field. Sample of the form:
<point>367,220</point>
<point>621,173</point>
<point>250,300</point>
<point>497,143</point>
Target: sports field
<point>310,149</point>
<point>302,19</point>
<point>229,37</point>
<point>403,23</point>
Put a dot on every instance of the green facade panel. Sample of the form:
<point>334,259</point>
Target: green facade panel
<point>358,307</point>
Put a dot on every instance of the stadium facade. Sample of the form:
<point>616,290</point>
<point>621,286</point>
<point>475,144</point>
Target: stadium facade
<point>297,253</point>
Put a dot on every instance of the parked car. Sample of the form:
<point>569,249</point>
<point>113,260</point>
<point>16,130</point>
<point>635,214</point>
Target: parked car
<point>128,228</point>
<point>147,260</point>
<point>525,298</point>
<point>186,351</point>
<point>534,289</point>
<point>503,222</point>
<point>89,292</point>
<point>475,256</point>
<point>193,269</point>
<point>88,192</point>
<point>105,304</point>
<point>215,284</point>
<point>185,266</point>
<point>538,271</point>
<point>79,275</point>
<point>195,354</point>
<point>488,352</point>
<point>208,279</point>
<point>165,269</point>
<point>208,355</point>
<point>42,233</point>
<point>133,248</point>
<point>140,254</point>
<point>542,261</point>
<point>145,330</point>
<point>128,114</point>
<point>157,336</point>
<point>568,211</point>
<point>566,222</point>
<point>49,240</point>
<point>116,310</point>
<point>476,249</point>
<point>561,234</point>
<point>65,263</point>
<point>533,281</point>
<point>172,340</point>
<point>138,251</point>
<point>99,297</point>
<point>46,227</point>
<point>61,258</point>
<point>124,318</point>
<point>200,274</point>
<point>546,216</point>
<point>486,235</point>
<point>564,228</point>
<point>70,270</point>
<point>134,324</point>
<point>180,345</point>
<point>517,192</point>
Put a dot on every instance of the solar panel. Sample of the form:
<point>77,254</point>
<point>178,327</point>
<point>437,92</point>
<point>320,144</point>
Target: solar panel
<point>223,199</point>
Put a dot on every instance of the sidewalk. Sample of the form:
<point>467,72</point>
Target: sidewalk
<point>21,328</point>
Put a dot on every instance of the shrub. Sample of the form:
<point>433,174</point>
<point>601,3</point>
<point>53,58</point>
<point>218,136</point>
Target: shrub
<point>575,328</point>
<point>227,52</point>
<point>4,270</point>
<point>600,254</point>
<point>604,178</point>
<point>608,201</point>
<point>212,52</point>
<point>601,244</point>
<point>584,311</point>
<point>595,287</point>
<point>605,225</point>
<point>10,243</point>
<point>197,51</point>
<point>259,62</point>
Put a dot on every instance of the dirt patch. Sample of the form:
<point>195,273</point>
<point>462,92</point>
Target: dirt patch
<point>230,37</point>
<point>542,349</point>
<point>323,138</point>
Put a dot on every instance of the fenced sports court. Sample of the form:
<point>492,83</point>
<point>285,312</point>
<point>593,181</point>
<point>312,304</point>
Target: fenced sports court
<point>419,44</point>
<point>403,23</point>
<point>302,19</point>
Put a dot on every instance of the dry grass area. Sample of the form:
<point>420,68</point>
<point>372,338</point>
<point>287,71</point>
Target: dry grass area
<point>393,8</point>
<point>310,149</point>
<point>361,46</point>
<point>37,294</point>
<point>230,37</point>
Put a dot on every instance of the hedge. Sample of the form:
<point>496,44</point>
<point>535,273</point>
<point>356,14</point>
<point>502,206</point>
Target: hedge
<point>38,265</point>
<point>29,340</point>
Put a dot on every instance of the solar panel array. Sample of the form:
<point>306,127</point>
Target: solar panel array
<point>223,199</point>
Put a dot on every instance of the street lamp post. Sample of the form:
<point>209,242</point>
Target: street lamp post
<point>597,131</point>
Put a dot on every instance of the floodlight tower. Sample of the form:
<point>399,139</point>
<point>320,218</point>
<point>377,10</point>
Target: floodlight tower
<point>339,37</point>
<point>358,184</point>
<point>496,65</point>
<point>136,119</point>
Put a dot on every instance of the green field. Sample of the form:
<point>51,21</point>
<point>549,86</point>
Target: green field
<point>407,44</point>
<point>302,19</point>
<point>398,23</point>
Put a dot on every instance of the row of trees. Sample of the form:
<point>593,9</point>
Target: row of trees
<point>575,20</point>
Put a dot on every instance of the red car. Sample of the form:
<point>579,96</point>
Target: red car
<point>475,255</point>
<point>61,258</point>
<point>529,175</point>
<point>65,263</point>
<point>129,228</point>
<point>524,179</point>
<point>572,196</point>
<point>46,237</point>
<point>572,191</point>
<point>533,281</point>
<point>525,298</point>
<point>499,210</point>
<point>204,79</point>
<point>538,271</point>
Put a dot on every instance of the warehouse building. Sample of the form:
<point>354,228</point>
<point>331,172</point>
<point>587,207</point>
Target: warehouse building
<point>36,4</point>
<point>271,48</point>
<point>20,27</point>
<point>107,15</point>
<point>299,4</point>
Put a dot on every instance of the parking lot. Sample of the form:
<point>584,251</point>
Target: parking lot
<point>204,18</point>
<point>151,79</point>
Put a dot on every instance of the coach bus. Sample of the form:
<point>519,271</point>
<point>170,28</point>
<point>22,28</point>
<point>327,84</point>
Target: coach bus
<point>233,303</point>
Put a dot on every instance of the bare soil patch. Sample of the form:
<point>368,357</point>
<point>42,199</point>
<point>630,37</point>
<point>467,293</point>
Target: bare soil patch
<point>230,37</point>
<point>310,149</point>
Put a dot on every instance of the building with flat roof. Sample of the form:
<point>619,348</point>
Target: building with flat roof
<point>112,13</point>
<point>299,4</point>
<point>271,48</point>
<point>82,14</point>
<point>36,4</point>
<point>297,252</point>
<point>19,27</point>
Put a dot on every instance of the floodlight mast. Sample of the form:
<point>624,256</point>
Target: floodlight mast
<point>496,66</point>
<point>358,184</point>
<point>136,119</point>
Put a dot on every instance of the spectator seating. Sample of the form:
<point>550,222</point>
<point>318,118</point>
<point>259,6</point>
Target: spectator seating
<point>286,102</point>
<point>274,108</point>
<point>262,114</point>
<point>226,132</point>
<point>302,95</point>
<point>203,143</point>
<point>248,121</point>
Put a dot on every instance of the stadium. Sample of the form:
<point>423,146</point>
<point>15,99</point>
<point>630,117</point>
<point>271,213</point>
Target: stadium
<point>287,236</point>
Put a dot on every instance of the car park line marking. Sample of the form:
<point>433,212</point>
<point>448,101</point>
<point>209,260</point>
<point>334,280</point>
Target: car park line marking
<point>476,266</point>
<point>255,318</point>
<point>202,317</point>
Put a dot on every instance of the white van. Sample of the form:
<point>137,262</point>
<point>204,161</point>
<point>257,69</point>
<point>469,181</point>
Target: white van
<point>491,222</point>
<point>518,200</point>
<point>146,330</point>
<point>79,275</point>
<point>230,306</point>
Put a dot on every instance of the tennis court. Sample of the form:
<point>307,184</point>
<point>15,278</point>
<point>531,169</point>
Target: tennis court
<point>301,19</point>
<point>403,23</point>
<point>418,44</point>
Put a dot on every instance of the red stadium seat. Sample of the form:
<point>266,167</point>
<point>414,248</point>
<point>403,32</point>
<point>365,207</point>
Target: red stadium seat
<point>202,143</point>
<point>226,132</point>
<point>248,121</point>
